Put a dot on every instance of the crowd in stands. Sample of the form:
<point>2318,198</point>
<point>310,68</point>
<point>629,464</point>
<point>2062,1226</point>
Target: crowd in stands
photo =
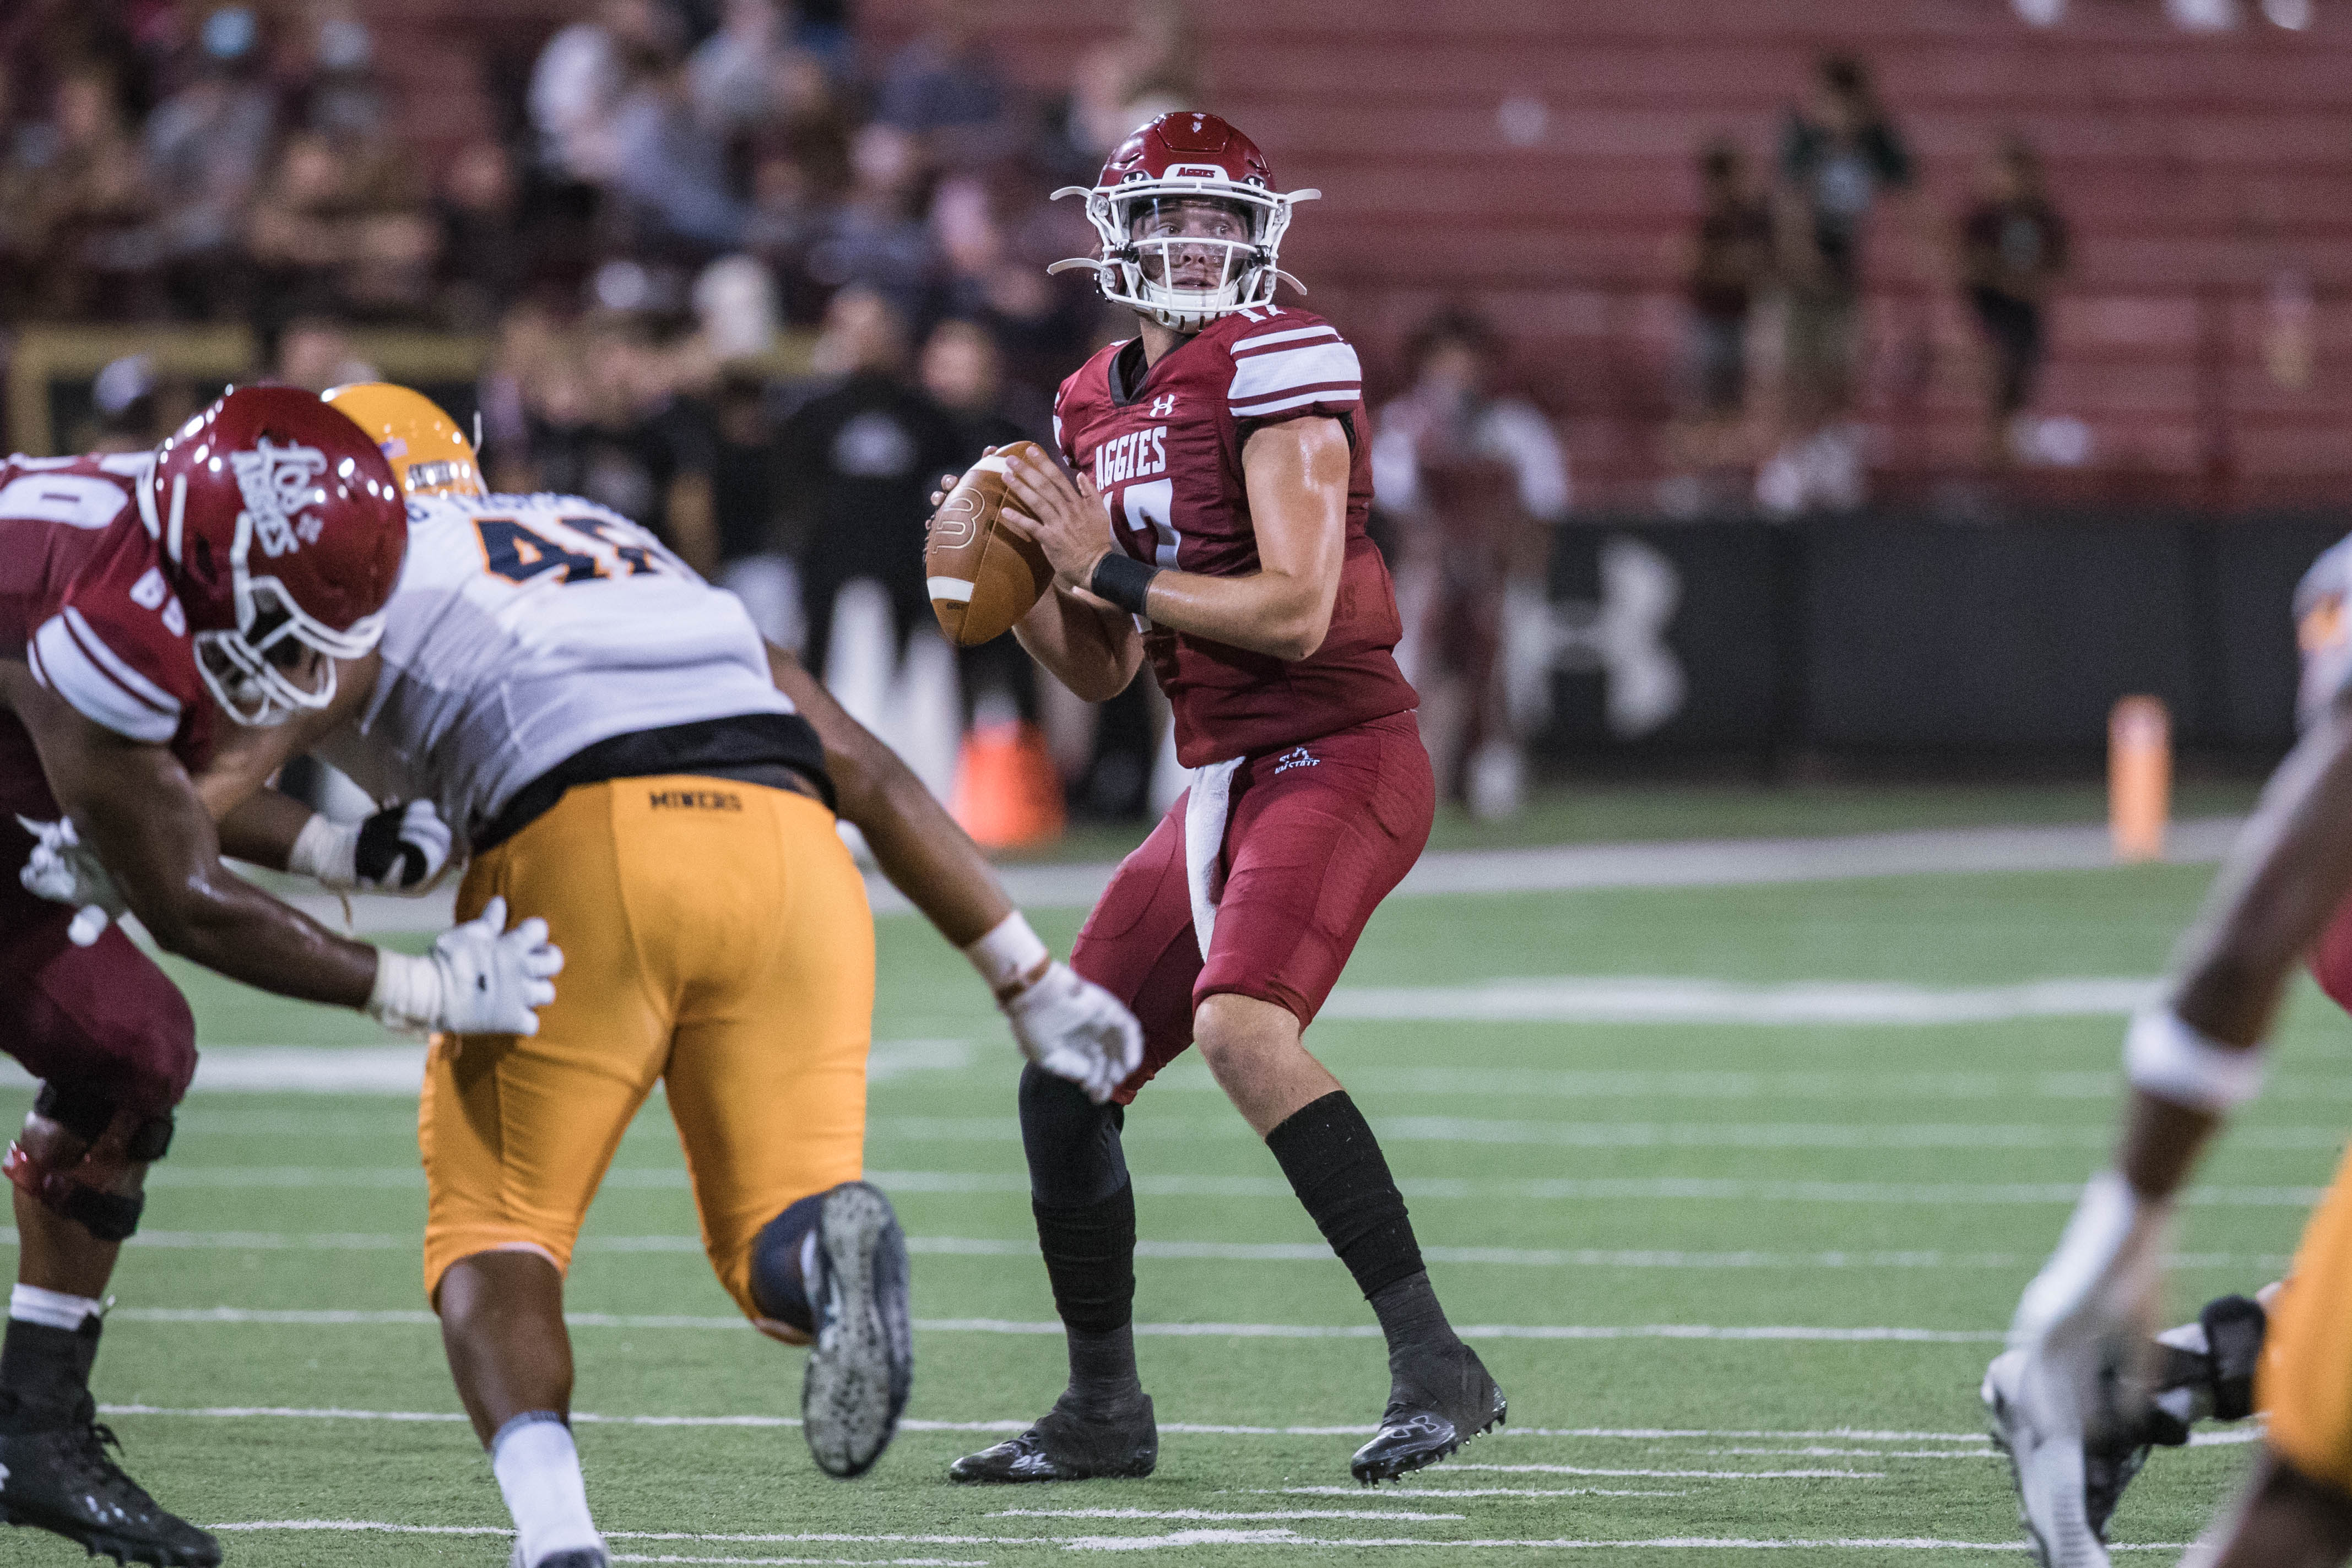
<point>673,185</point>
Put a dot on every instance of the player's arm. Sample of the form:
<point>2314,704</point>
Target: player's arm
<point>1295,474</point>
<point>1090,648</point>
<point>2197,1056</point>
<point>137,808</point>
<point>1068,1025</point>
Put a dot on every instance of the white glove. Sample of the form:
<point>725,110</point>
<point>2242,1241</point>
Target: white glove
<point>400,848</point>
<point>64,870</point>
<point>479,978</point>
<point>1075,1029</point>
<point>2085,1320</point>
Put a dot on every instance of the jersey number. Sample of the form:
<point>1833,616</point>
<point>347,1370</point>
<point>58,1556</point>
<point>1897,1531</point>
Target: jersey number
<point>1150,510</point>
<point>77,500</point>
<point>581,549</point>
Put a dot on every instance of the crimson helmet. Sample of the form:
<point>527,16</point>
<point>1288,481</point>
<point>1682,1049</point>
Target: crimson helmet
<point>285,530</point>
<point>1186,157</point>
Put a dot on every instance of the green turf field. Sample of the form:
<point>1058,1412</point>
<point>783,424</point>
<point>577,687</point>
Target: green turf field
<point>1563,1174</point>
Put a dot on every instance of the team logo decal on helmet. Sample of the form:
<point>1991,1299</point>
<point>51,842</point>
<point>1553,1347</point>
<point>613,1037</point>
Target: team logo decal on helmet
<point>1157,256</point>
<point>276,468</point>
<point>277,482</point>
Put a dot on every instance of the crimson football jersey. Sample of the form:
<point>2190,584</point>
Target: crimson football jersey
<point>84,596</point>
<point>1165,448</point>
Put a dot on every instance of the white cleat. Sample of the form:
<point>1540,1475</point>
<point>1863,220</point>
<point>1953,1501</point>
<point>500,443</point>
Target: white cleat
<point>2045,1444</point>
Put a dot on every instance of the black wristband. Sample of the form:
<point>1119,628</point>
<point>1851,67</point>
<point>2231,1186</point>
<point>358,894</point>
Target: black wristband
<point>1123,579</point>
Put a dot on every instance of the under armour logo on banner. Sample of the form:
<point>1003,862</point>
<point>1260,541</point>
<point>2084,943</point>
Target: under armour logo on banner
<point>1623,637</point>
<point>1163,405</point>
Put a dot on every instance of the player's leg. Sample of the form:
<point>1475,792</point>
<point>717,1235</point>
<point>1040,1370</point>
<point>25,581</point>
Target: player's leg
<point>767,1085</point>
<point>111,1039</point>
<point>2283,1520</point>
<point>1317,840</point>
<point>517,1131</point>
<point>1139,944</point>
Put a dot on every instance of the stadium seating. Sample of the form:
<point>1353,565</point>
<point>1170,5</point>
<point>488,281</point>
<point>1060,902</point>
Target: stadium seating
<point>2202,173</point>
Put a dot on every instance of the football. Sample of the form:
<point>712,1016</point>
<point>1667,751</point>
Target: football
<point>982,578</point>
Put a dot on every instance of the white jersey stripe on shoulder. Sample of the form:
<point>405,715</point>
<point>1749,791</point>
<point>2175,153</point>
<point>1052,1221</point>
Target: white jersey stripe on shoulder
<point>140,686</point>
<point>1289,370</point>
<point>1333,393</point>
<point>1261,341</point>
<point>66,666</point>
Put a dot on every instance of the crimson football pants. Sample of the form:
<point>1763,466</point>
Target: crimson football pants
<point>101,1020</point>
<point>1316,835</point>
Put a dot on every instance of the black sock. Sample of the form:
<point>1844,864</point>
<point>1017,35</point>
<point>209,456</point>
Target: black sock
<point>1336,1167</point>
<point>779,1288</point>
<point>1084,1207</point>
<point>1412,1322</point>
<point>44,1374</point>
<point>1090,1259</point>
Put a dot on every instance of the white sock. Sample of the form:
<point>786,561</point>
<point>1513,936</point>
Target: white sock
<point>54,1309</point>
<point>538,1471</point>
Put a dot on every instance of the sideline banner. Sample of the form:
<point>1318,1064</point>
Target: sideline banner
<point>1889,636</point>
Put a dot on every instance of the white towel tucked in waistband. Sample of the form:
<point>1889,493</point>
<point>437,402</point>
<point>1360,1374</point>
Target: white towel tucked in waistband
<point>1204,838</point>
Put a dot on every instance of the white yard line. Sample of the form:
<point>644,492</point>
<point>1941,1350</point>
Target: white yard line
<point>1665,1475</point>
<point>1315,1252</point>
<point>1812,1003</point>
<point>298,1317</point>
<point>1189,1513</point>
<point>1473,1491</point>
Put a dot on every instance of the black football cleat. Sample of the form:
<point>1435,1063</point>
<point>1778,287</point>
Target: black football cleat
<point>1434,1407</point>
<point>577,1557</point>
<point>862,1364</point>
<point>62,1480</point>
<point>1068,1446</point>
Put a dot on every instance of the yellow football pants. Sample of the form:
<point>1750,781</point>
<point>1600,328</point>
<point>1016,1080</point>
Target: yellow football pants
<point>2304,1382</point>
<point>716,938</point>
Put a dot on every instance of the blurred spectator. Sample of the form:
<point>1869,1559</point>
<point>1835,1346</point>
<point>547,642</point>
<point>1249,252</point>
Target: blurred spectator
<point>856,464</point>
<point>668,168</point>
<point>205,148</point>
<point>76,210</point>
<point>1837,155</point>
<point>945,89</point>
<point>484,255</point>
<point>2012,247</point>
<point>876,238</point>
<point>1475,482</point>
<point>1728,263</point>
<point>339,223</point>
<point>518,372</point>
<point>1153,66</point>
<point>609,423</point>
<point>579,78</point>
<point>961,369</point>
<point>798,173</point>
<point>755,558</point>
<point>748,74</point>
<point>315,352</point>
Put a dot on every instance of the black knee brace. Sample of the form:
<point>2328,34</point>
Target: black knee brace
<point>100,1139</point>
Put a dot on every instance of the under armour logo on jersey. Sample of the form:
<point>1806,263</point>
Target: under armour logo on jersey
<point>1622,636</point>
<point>1163,405</point>
<point>276,483</point>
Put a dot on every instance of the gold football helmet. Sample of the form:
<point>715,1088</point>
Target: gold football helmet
<point>428,453</point>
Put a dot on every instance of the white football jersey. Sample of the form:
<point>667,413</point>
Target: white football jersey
<point>527,628</point>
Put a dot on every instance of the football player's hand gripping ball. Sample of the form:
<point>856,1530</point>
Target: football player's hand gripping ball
<point>1075,1029</point>
<point>64,870</point>
<point>479,978</point>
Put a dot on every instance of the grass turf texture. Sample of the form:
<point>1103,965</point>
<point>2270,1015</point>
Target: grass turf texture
<point>309,1167</point>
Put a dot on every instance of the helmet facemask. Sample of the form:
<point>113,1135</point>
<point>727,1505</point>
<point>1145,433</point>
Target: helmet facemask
<point>1186,251</point>
<point>251,670</point>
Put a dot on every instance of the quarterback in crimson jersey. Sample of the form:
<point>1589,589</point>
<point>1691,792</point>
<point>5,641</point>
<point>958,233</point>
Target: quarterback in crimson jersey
<point>1222,475</point>
<point>139,594</point>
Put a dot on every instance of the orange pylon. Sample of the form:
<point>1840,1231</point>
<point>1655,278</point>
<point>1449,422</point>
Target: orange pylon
<point>1007,795</point>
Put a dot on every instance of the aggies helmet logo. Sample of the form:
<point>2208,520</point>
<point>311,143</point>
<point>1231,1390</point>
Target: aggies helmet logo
<point>278,484</point>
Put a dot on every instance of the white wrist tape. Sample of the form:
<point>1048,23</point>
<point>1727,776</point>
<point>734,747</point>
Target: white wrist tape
<point>407,992</point>
<point>1009,954</point>
<point>326,851</point>
<point>2166,1058</point>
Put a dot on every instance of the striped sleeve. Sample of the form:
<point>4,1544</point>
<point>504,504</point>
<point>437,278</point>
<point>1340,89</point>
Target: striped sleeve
<point>70,658</point>
<point>1293,370</point>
